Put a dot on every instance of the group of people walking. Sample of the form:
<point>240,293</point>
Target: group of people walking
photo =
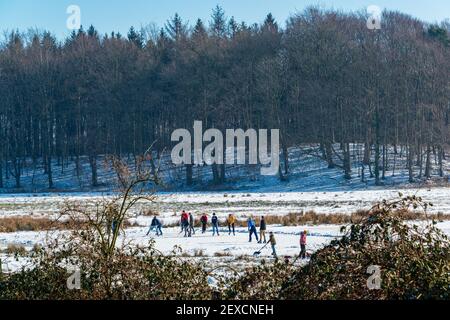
<point>187,223</point>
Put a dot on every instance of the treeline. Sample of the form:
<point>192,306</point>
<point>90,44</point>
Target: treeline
<point>323,78</point>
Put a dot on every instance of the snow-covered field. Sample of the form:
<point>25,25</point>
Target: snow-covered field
<point>223,203</point>
<point>242,205</point>
<point>217,249</point>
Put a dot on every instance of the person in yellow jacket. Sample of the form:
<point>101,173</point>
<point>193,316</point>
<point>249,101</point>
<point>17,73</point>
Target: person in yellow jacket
<point>231,221</point>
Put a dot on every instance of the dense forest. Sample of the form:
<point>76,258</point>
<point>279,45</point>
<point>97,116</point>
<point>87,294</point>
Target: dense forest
<point>323,77</point>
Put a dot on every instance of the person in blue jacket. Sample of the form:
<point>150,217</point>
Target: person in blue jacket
<point>252,229</point>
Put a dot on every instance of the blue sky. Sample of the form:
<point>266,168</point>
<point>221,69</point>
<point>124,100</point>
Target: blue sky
<point>119,15</point>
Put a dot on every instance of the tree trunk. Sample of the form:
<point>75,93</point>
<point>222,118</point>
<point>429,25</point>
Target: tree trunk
<point>377,164</point>
<point>286,159</point>
<point>347,162</point>
<point>428,163</point>
<point>17,170</point>
<point>222,173</point>
<point>189,174</point>
<point>366,159</point>
<point>215,172</point>
<point>410,164</point>
<point>1,175</point>
<point>93,164</point>
<point>377,147</point>
<point>329,155</point>
<point>49,172</point>
<point>383,176</point>
<point>77,166</point>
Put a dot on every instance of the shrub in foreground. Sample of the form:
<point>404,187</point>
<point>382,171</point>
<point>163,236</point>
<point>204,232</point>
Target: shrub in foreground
<point>413,260</point>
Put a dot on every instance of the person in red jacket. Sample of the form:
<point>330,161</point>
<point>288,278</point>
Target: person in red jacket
<point>303,244</point>
<point>204,221</point>
<point>184,222</point>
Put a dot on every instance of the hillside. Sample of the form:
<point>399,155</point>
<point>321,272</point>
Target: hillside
<point>308,171</point>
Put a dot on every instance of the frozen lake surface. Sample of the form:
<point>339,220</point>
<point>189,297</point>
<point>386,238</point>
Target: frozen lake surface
<point>169,206</point>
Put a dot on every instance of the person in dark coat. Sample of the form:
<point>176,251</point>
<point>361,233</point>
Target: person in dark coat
<point>273,243</point>
<point>191,224</point>
<point>262,230</point>
<point>204,221</point>
<point>157,225</point>
<point>215,224</point>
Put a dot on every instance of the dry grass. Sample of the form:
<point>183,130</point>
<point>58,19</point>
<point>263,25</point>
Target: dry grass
<point>313,218</point>
<point>24,223</point>
<point>27,223</point>
<point>16,249</point>
<point>222,254</point>
<point>149,212</point>
<point>308,217</point>
<point>199,253</point>
<point>243,257</point>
